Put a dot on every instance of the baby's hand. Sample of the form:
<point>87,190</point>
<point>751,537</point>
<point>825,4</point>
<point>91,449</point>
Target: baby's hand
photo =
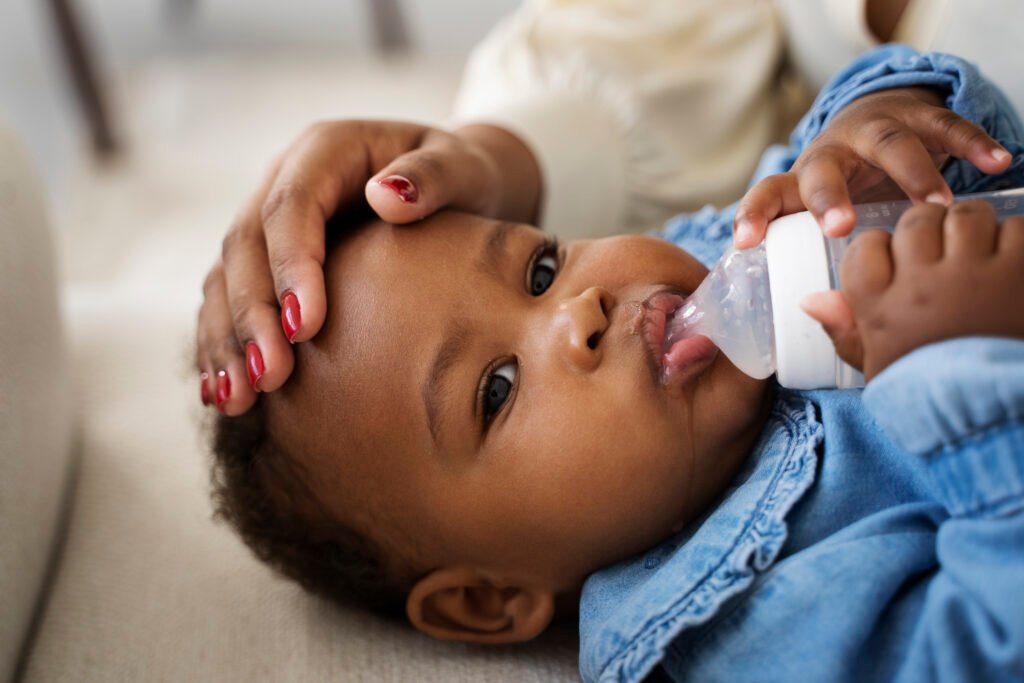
<point>268,287</point>
<point>882,146</point>
<point>943,274</point>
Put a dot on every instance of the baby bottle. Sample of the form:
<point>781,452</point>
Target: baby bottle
<point>749,305</point>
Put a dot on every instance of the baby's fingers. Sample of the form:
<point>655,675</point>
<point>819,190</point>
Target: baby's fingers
<point>770,198</point>
<point>900,152</point>
<point>958,137</point>
<point>823,180</point>
<point>836,317</point>
<point>221,364</point>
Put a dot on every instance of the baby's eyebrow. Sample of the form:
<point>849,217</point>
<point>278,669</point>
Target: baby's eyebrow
<point>494,249</point>
<point>448,351</point>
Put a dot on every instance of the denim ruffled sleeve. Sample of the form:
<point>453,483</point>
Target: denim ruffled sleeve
<point>958,406</point>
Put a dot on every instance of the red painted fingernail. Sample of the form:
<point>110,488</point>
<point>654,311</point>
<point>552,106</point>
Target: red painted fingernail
<point>254,364</point>
<point>291,316</point>
<point>223,387</point>
<point>401,186</point>
<point>204,388</point>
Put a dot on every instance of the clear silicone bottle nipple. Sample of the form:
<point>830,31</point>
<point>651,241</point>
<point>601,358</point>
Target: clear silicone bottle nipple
<point>733,308</point>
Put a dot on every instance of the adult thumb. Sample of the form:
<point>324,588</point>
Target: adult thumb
<point>438,175</point>
<point>834,314</point>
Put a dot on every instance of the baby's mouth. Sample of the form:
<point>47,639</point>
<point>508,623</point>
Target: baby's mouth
<point>686,356</point>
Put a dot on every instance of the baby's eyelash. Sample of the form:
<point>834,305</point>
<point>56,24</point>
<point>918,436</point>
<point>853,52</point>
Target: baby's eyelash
<point>548,248</point>
<point>482,393</point>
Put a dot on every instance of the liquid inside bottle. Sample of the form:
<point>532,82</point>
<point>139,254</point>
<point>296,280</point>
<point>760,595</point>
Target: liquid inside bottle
<point>734,308</point>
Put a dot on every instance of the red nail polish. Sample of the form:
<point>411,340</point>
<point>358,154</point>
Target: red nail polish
<point>204,388</point>
<point>403,187</point>
<point>291,316</point>
<point>254,364</point>
<point>223,387</point>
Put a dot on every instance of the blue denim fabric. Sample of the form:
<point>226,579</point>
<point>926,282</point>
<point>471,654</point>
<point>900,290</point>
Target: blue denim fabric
<point>875,535</point>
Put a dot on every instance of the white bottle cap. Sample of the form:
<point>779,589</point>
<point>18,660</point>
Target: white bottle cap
<point>798,266</point>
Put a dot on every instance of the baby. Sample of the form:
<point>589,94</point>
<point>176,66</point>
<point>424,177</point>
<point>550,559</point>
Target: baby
<point>482,436</point>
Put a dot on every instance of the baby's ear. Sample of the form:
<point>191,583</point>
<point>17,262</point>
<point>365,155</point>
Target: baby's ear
<point>460,603</point>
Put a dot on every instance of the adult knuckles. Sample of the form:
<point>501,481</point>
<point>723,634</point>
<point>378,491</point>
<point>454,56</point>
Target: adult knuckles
<point>224,348</point>
<point>236,238</point>
<point>283,196</point>
<point>285,266</point>
<point>242,307</point>
<point>213,279</point>
<point>426,164</point>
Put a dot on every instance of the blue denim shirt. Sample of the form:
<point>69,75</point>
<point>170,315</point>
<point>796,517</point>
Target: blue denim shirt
<point>875,535</point>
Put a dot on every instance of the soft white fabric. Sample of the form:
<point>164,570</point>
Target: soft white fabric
<point>823,35</point>
<point>636,109</point>
<point>35,410</point>
<point>149,588</point>
<point>640,109</point>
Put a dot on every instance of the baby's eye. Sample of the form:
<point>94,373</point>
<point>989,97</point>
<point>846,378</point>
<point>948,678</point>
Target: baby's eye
<point>544,268</point>
<point>496,388</point>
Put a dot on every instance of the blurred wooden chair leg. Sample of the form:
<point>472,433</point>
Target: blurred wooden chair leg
<point>82,68</point>
<point>389,25</point>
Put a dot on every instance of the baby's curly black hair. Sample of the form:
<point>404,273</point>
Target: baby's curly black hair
<point>260,490</point>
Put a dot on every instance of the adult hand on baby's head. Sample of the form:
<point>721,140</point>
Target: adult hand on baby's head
<point>268,288</point>
<point>943,274</point>
<point>886,145</point>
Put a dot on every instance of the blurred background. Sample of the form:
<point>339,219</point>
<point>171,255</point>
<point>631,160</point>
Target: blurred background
<point>152,117</point>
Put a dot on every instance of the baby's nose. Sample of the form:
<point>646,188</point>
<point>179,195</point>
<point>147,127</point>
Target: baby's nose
<point>584,320</point>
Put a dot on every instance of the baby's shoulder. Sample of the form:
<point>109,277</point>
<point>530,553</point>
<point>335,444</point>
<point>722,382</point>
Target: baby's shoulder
<point>705,234</point>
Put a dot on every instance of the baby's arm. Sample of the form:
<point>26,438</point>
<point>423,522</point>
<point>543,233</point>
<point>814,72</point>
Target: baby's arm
<point>955,400</point>
<point>959,407</point>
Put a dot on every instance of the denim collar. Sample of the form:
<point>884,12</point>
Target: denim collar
<point>631,612</point>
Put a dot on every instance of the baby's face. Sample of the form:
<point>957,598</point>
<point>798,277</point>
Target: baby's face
<point>483,399</point>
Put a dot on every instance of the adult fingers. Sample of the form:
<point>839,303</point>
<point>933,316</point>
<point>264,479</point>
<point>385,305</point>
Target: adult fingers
<point>318,174</point>
<point>897,150</point>
<point>442,171</point>
<point>918,236</point>
<point>823,180</point>
<point>770,198</point>
<point>221,364</point>
<point>970,229</point>
<point>252,302</point>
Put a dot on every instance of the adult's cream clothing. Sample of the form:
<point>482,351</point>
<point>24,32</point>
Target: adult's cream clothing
<point>635,109</point>
<point>640,109</point>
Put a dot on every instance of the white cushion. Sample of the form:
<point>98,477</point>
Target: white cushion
<point>35,406</point>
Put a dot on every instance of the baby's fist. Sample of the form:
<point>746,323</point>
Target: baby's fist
<point>943,274</point>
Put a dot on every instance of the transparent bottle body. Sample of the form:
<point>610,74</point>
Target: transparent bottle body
<point>733,306</point>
